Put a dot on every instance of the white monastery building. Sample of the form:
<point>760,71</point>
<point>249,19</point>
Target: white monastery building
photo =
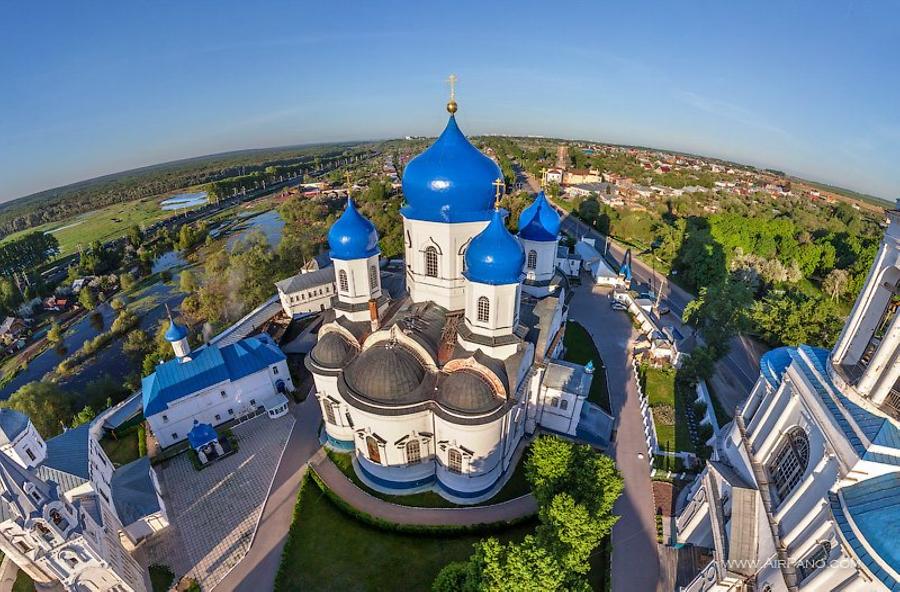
<point>438,388</point>
<point>803,489</point>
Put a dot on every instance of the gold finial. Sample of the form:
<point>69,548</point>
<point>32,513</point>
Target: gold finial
<point>498,186</point>
<point>349,179</point>
<point>451,104</point>
<point>544,178</point>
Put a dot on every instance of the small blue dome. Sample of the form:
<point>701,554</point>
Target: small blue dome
<point>495,256</point>
<point>452,181</point>
<point>539,221</point>
<point>352,236</point>
<point>175,332</point>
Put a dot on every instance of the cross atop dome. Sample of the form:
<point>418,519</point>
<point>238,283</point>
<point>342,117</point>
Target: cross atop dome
<point>451,104</point>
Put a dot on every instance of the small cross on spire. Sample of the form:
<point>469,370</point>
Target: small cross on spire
<point>498,187</point>
<point>349,179</point>
<point>451,104</point>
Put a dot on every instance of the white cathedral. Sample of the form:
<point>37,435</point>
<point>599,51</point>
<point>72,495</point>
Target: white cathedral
<point>803,489</point>
<point>435,390</point>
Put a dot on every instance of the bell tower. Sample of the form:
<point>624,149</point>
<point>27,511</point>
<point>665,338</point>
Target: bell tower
<point>866,358</point>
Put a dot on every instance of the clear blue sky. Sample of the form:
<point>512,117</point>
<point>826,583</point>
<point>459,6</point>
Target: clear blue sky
<point>92,88</point>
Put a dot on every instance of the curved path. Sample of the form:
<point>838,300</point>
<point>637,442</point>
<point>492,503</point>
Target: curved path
<point>513,509</point>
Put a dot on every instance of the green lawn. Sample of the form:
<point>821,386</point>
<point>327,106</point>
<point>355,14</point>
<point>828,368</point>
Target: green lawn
<point>672,431</point>
<point>516,486</point>
<point>161,578</point>
<point>123,450</point>
<point>580,349</point>
<point>329,550</point>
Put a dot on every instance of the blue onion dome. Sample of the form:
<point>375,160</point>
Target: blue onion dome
<point>175,332</point>
<point>539,221</point>
<point>495,256</point>
<point>352,236</point>
<point>451,181</point>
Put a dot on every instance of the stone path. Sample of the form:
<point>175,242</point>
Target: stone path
<point>371,505</point>
<point>213,512</point>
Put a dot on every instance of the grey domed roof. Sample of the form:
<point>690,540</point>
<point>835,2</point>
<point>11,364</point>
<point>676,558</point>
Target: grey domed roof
<point>385,372</point>
<point>467,392</point>
<point>12,423</point>
<point>332,351</point>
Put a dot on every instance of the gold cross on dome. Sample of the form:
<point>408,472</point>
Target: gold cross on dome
<point>498,187</point>
<point>349,182</point>
<point>452,80</point>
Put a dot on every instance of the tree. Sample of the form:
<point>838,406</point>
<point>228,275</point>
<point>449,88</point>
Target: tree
<point>86,298</point>
<point>117,304</point>
<point>835,283</point>
<point>126,281</point>
<point>86,414</point>
<point>54,333</point>
<point>137,344</point>
<point>187,282</point>
<point>46,405</point>
<point>135,237</point>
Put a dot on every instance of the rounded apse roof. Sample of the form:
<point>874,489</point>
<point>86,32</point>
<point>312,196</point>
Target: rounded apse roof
<point>467,392</point>
<point>352,236</point>
<point>332,351</point>
<point>495,256</point>
<point>539,221</point>
<point>386,373</point>
<point>452,181</point>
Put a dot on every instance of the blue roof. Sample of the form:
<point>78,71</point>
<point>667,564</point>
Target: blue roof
<point>452,181</point>
<point>539,221</point>
<point>12,423</point>
<point>175,332</point>
<point>495,256</point>
<point>211,365</point>
<point>201,435</point>
<point>874,507</point>
<point>352,236</point>
<point>773,364</point>
<point>133,491</point>
<point>69,452</point>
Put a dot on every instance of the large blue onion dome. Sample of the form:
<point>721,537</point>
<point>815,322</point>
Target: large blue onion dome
<point>175,332</point>
<point>352,236</point>
<point>495,256</point>
<point>451,181</point>
<point>539,221</point>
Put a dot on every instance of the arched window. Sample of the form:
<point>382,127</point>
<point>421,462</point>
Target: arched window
<point>329,412</point>
<point>532,259</point>
<point>454,461</point>
<point>342,279</point>
<point>373,450</point>
<point>431,262</point>
<point>789,463</point>
<point>484,309</point>
<point>413,452</point>
<point>373,278</point>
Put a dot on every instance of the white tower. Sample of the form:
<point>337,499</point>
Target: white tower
<point>865,359</point>
<point>19,440</point>
<point>539,234</point>
<point>354,251</point>
<point>177,335</point>
<point>493,270</point>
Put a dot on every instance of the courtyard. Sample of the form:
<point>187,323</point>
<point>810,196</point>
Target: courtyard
<point>213,513</point>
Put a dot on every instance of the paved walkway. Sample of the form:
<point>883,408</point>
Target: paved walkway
<point>371,505</point>
<point>635,562</point>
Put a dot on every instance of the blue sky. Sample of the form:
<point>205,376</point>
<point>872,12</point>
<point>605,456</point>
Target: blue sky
<point>92,88</point>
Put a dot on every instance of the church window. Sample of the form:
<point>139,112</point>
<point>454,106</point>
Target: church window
<point>372,449</point>
<point>174,435</point>
<point>231,412</point>
<point>165,418</point>
<point>789,463</point>
<point>816,560</point>
<point>554,402</point>
<point>532,259</point>
<point>431,262</point>
<point>30,453</point>
<point>23,546</point>
<point>373,277</point>
<point>274,369</point>
<point>563,404</point>
<point>329,413</point>
<point>484,309</point>
<point>253,402</point>
<point>454,461</point>
<point>413,452</point>
<point>218,417</point>
<point>342,278</point>
<point>349,419</point>
<point>223,394</point>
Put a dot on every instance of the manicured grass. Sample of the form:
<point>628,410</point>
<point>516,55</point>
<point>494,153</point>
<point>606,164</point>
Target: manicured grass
<point>123,450</point>
<point>672,430</point>
<point>580,349</point>
<point>161,578</point>
<point>329,550</point>
<point>516,486</point>
<point>103,224</point>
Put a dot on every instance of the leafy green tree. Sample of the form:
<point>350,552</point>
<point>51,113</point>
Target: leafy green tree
<point>86,414</point>
<point>188,282</point>
<point>137,344</point>
<point>54,333</point>
<point>46,405</point>
<point>87,299</point>
<point>135,237</point>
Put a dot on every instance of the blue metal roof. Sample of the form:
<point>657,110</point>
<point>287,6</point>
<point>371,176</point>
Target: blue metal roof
<point>452,181</point>
<point>12,423</point>
<point>352,236</point>
<point>201,435</point>
<point>773,364</point>
<point>133,492</point>
<point>69,452</point>
<point>495,256</point>
<point>873,506</point>
<point>211,365</point>
<point>539,221</point>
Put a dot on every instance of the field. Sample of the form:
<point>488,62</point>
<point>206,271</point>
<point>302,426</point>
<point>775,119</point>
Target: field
<point>104,224</point>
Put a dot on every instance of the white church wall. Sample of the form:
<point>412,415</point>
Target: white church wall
<point>392,463</point>
<point>482,459</point>
<point>27,449</point>
<point>315,299</point>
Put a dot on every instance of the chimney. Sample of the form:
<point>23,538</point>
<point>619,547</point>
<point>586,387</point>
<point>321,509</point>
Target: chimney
<point>373,314</point>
